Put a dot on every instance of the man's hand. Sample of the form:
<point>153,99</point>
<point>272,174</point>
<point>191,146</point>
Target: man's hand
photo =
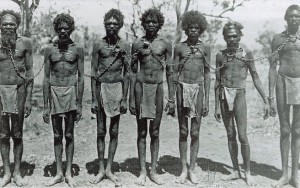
<point>205,109</point>
<point>218,114</point>
<point>132,107</point>
<point>272,108</point>
<point>266,110</point>
<point>27,107</point>
<point>170,108</point>
<point>94,107</point>
<point>78,113</point>
<point>46,115</point>
<point>123,106</point>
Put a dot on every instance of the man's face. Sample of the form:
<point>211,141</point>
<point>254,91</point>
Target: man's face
<point>293,18</point>
<point>232,38</point>
<point>8,24</point>
<point>112,27</point>
<point>63,30</point>
<point>193,31</point>
<point>151,25</point>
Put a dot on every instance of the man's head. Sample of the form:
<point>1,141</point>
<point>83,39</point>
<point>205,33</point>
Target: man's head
<point>113,22</point>
<point>152,20</point>
<point>292,15</point>
<point>193,23</point>
<point>9,23</point>
<point>232,32</point>
<point>64,25</point>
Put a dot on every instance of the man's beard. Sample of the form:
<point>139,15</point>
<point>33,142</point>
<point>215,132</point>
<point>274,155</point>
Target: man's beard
<point>9,39</point>
<point>63,43</point>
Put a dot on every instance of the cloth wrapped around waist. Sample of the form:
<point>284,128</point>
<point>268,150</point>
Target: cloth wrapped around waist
<point>111,96</point>
<point>8,96</point>
<point>63,99</point>
<point>148,105</point>
<point>229,95</point>
<point>292,86</point>
<point>190,98</point>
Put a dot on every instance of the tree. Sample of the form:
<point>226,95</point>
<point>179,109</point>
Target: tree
<point>265,39</point>
<point>27,13</point>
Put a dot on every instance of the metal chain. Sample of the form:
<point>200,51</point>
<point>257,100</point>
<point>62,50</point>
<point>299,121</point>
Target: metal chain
<point>26,80</point>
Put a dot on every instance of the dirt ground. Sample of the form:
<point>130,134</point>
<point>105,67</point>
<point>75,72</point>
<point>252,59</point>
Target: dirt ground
<point>213,159</point>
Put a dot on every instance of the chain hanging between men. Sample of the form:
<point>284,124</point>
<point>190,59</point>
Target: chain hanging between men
<point>26,80</point>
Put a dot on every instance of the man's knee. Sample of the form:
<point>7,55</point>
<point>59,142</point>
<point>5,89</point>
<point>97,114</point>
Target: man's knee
<point>4,137</point>
<point>243,139</point>
<point>154,133</point>
<point>101,135</point>
<point>285,130</point>
<point>296,130</point>
<point>57,139</point>
<point>69,137</point>
<point>194,134</point>
<point>17,137</point>
<point>183,134</point>
<point>231,137</point>
<point>114,133</point>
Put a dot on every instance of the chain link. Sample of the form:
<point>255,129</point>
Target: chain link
<point>26,80</point>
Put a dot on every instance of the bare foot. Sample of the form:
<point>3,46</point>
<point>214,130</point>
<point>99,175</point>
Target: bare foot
<point>233,176</point>
<point>182,178</point>
<point>98,178</point>
<point>249,179</point>
<point>141,180</point>
<point>281,182</point>
<point>193,177</point>
<point>5,180</point>
<point>18,180</point>
<point>55,180</point>
<point>155,178</point>
<point>294,182</point>
<point>114,179</point>
<point>71,181</point>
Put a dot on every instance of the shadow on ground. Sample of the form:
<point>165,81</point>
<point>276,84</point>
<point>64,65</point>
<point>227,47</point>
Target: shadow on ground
<point>50,170</point>
<point>26,169</point>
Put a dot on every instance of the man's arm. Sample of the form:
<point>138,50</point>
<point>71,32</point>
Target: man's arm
<point>46,85</point>
<point>257,83</point>
<point>94,67</point>
<point>169,75</point>
<point>80,65</point>
<point>134,69</point>
<point>206,81</point>
<point>28,74</point>
<point>126,74</point>
<point>272,77</point>
<point>217,88</point>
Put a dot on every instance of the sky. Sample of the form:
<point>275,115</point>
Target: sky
<point>254,14</point>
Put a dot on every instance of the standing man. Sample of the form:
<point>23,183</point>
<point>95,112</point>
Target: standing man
<point>232,66</point>
<point>287,82</point>
<point>16,73</point>
<point>109,88</point>
<point>153,52</point>
<point>63,89</point>
<point>192,76</point>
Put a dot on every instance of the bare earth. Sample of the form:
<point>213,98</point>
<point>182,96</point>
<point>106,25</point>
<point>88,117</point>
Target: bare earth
<point>38,164</point>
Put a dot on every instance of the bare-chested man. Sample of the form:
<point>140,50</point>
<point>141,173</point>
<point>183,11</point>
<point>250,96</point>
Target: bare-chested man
<point>110,82</point>
<point>153,52</point>
<point>16,84</point>
<point>287,82</point>
<point>192,76</point>
<point>63,89</point>
<point>233,64</point>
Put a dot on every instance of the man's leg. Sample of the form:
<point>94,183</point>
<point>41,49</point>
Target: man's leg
<point>101,132</point>
<point>228,120</point>
<point>183,134</point>
<point>142,135</point>
<point>295,146</point>
<point>240,111</point>
<point>5,147</point>
<point>58,149</point>
<point>69,137</point>
<point>285,131</point>
<point>154,134</point>
<point>195,128</point>
<point>113,143</point>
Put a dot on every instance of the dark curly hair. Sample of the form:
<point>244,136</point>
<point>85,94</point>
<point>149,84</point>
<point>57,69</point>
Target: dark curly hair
<point>64,18</point>
<point>193,17</point>
<point>115,13</point>
<point>13,13</point>
<point>153,12</point>
<point>233,25</point>
<point>291,8</point>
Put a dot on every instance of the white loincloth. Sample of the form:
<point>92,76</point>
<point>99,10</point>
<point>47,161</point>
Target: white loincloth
<point>148,106</point>
<point>111,96</point>
<point>8,98</point>
<point>63,99</point>
<point>292,86</point>
<point>190,97</point>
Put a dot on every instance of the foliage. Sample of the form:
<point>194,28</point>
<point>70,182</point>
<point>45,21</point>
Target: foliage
<point>265,39</point>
